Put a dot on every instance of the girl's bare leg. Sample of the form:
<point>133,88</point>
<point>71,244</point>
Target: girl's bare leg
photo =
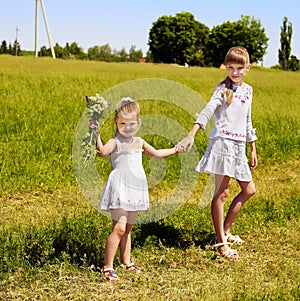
<point>119,218</point>
<point>125,243</point>
<point>247,190</point>
<point>217,211</point>
<point>112,244</point>
<point>217,206</point>
<point>125,246</point>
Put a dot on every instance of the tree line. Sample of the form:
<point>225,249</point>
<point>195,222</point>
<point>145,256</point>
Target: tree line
<point>182,40</point>
<point>74,51</point>
<point>96,53</point>
<point>10,49</point>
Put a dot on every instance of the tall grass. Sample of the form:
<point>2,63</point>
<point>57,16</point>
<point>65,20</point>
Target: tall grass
<point>52,241</point>
<point>42,101</point>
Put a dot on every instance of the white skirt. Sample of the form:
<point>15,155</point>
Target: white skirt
<point>226,157</point>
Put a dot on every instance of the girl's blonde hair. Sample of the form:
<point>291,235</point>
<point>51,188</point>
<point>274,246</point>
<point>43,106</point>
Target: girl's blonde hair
<point>236,55</point>
<point>127,106</point>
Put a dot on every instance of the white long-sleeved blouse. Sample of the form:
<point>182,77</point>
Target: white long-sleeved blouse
<point>232,121</point>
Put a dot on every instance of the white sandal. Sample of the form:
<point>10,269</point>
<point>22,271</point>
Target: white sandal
<point>234,239</point>
<point>230,253</point>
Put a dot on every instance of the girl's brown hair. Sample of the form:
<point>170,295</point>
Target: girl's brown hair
<point>237,55</point>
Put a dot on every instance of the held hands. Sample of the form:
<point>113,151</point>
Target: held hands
<point>185,144</point>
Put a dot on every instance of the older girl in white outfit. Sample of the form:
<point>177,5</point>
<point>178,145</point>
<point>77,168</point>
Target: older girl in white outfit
<point>225,156</point>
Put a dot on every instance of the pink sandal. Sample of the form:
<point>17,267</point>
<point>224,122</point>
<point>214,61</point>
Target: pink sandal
<point>110,274</point>
<point>132,267</point>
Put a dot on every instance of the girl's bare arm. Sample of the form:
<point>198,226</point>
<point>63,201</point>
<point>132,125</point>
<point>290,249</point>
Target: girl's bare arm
<point>253,156</point>
<point>107,148</point>
<point>149,150</point>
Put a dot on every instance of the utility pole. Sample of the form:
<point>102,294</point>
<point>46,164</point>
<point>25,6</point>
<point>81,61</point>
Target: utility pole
<point>16,42</point>
<point>36,27</point>
<point>46,25</point>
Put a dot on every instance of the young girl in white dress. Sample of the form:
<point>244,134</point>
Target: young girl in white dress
<point>126,190</point>
<point>225,156</point>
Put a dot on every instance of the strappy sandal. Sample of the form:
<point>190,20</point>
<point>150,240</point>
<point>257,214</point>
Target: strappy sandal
<point>234,239</point>
<point>229,254</point>
<point>133,268</point>
<point>110,274</point>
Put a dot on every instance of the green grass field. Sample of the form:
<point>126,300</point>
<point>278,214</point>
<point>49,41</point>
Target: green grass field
<point>52,239</point>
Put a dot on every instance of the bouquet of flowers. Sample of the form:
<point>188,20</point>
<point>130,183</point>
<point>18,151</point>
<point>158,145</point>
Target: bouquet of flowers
<point>97,107</point>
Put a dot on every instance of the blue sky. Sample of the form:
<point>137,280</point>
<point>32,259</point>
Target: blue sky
<point>123,23</point>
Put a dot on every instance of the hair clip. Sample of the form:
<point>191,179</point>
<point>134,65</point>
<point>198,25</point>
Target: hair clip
<point>126,99</point>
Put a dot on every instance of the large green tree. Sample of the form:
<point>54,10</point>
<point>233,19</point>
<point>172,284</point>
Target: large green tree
<point>178,39</point>
<point>246,32</point>
<point>285,43</point>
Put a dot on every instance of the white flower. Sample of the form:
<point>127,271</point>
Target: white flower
<point>97,106</point>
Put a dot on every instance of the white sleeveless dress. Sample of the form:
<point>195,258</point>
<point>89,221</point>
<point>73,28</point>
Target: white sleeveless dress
<point>127,186</point>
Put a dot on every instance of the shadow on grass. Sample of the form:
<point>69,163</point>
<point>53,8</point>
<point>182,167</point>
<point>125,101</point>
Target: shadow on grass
<point>168,236</point>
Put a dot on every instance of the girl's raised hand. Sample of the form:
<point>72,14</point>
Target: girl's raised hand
<point>94,124</point>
